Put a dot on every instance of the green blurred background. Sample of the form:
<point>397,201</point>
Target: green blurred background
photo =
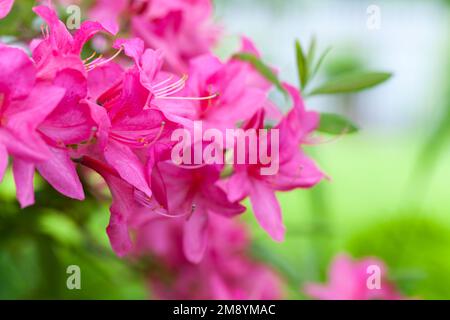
<point>388,194</point>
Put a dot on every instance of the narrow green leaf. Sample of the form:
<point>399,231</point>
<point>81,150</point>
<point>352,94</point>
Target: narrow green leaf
<point>310,56</point>
<point>319,63</point>
<point>302,66</point>
<point>262,68</point>
<point>336,124</point>
<point>354,82</point>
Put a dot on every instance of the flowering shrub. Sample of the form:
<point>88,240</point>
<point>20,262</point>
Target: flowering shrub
<point>117,115</point>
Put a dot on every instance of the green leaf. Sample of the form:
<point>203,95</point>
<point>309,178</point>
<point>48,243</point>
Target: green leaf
<point>354,82</point>
<point>319,63</point>
<point>310,56</point>
<point>336,124</point>
<point>262,68</point>
<point>302,66</point>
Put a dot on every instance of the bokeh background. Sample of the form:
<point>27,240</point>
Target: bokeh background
<point>388,195</point>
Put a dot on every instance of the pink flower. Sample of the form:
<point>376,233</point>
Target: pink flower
<point>226,271</point>
<point>193,193</point>
<point>349,280</point>
<point>58,49</point>
<point>24,104</point>
<point>68,121</point>
<point>131,132</point>
<point>183,30</point>
<point>107,12</point>
<point>295,169</point>
<point>225,92</point>
<point>127,213</point>
<point>5,7</point>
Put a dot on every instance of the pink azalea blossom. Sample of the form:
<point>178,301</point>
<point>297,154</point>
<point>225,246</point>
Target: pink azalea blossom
<point>58,49</point>
<point>130,130</point>
<point>226,271</point>
<point>24,104</point>
<point>182,29</point>
<point>57,61</point>
<point>296,170</point>
<point>193,193</point>
<point>225,91</point>
<point>348,280</point>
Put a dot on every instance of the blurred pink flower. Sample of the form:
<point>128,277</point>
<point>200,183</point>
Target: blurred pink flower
<point>348,280</point>
<point>183,30</point>
<point>5,7</point>
<point>225,272</point>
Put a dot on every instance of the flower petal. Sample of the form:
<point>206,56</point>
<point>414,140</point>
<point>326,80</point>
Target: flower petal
<point>3,161</point>
<point>5,7</point>
<point>18,73</point>
<point>23,176</point>
<point>60,172</point>
<point>195,235</point>
<point>128,165</point>
<point>267,210</point>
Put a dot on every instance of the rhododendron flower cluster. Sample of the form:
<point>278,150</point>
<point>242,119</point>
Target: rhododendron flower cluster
<point>59,111</point>
<point>63,110</point>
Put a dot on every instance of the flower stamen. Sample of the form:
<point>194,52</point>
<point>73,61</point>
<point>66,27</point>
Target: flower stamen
<point>215,95</point>
<point>94,64</point>
<point>162,82</point>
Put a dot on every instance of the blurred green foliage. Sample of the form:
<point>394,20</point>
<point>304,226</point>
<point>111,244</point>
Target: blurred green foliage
<point>37,245</point>
<point>415,247</point>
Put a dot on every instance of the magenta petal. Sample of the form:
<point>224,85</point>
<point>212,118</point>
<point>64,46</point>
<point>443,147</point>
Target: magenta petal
<point>117,230</point>
<point>17,74</point>
<point>298,123</point>
<point>60,37</point>
<point>151,64</point>
<point>128,165</point>
<point>123,206</point>
<point>216,200</point>
<point>36,151</point>
<point>41,101</point>
<point>23,177</point>
<point>297,171</point>
<point>103,78</point>
<point>5,7</point>
<point>134,48</point>
<point>60,172</point>
<point>3,161</point>
<point>237,186</point>
<point>71,121</point>
<point>100,117</point>
<point>195,236</point>
<point>267,210</point>
<point>107,12</point>
<point>87,30</point>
